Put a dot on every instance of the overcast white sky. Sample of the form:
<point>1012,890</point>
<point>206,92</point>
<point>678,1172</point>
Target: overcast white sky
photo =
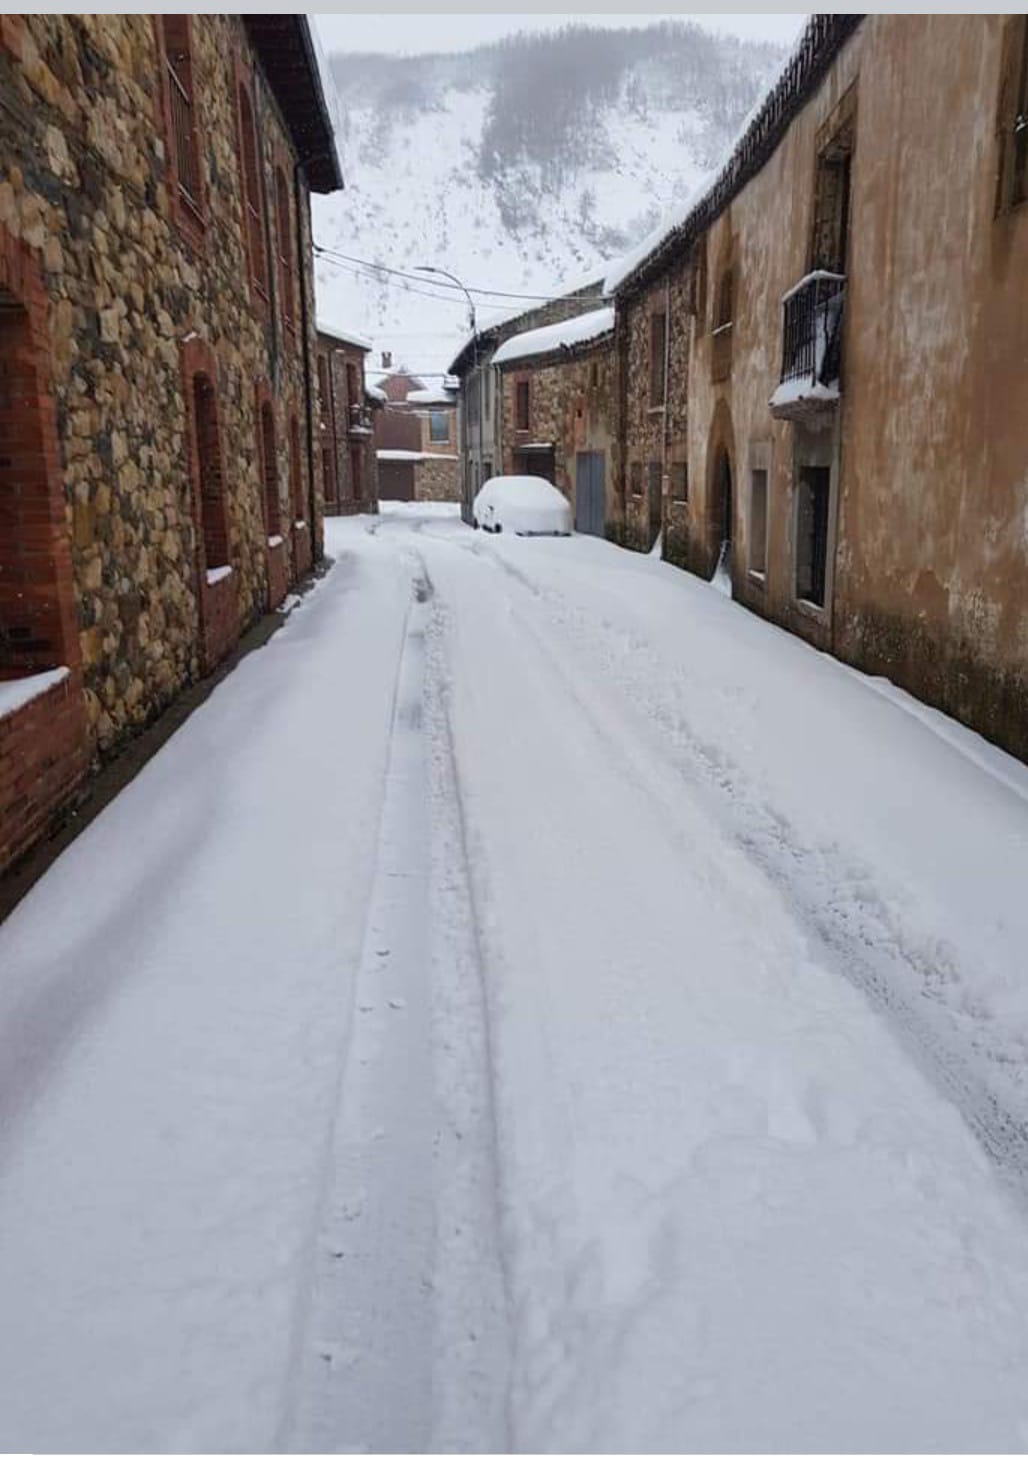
<point>417,34</point>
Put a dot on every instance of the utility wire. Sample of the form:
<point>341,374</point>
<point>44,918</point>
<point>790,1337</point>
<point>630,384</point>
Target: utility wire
<point>379,268</point>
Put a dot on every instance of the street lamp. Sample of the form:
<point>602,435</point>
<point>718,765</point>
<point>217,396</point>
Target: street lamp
<point>442,273</point>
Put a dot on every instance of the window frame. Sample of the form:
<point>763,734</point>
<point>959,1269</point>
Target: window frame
<point>285,252</point>
<point>251,176</point>
<point>658,348</point>
<point>189,213</point>
<point>523,392</point>
<point>434,417</point>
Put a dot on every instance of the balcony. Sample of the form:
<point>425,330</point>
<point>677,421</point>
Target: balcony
<point>359,421</point>
<point>811,347</point>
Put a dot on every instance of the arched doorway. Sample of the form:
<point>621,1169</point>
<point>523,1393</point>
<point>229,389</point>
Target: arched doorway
<point>721,507</point>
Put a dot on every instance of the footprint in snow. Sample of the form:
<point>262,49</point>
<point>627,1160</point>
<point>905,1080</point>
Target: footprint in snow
<point>397,1003</point>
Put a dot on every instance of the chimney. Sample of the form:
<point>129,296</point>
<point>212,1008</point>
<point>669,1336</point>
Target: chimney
<point>387,359</point>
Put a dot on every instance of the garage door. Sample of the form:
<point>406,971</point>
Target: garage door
<point>395,480</point>
<point>590,492</point>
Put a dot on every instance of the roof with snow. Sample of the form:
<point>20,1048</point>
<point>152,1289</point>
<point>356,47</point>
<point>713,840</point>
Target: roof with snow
<point>344,336</point>
<point>581,291</point>
<point>374,393</point>
<point>298,74</point>
<point>434,395</point>
<point>820,42</point>
<point>570,334</point>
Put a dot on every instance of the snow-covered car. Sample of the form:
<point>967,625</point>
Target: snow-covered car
<point>525,505</point>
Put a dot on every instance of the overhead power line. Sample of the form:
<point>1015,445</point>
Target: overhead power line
<point>376,269</point>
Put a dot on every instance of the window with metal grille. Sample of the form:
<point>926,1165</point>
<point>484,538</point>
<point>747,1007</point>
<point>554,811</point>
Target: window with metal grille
<point>184,139</point>
<point>679,480</point>
<point>522,405</point>
<point>812,534</point>
<point>635,478</point>
<point>658,359</point>
<point>269,466</point>
<point>758,522</point>
<point>438,427</point>
<point>285,248</point>
<point>253,211</point>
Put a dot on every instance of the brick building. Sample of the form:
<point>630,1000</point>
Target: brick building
<point>346,430</point>
<point>416,441</point>
<point>158,480</point>
<point>558,406</point>
<point>845,328</point>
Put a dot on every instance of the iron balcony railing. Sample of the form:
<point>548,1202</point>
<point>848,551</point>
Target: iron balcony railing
<point>360,417</point>
<point>812,328</point>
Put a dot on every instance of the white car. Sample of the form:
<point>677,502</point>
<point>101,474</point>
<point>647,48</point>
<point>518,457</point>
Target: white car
<point>525,505</point>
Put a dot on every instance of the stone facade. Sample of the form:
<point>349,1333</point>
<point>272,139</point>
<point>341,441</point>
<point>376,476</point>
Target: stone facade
<point>571,402</point>
<point>156,309</point>
<point>882,516</point>
<point>652,488</point>
<point>349,464</point>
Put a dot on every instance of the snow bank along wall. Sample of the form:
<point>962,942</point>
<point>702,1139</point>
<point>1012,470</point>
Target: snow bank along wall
<point>882,515</point>
<point>156,283</point>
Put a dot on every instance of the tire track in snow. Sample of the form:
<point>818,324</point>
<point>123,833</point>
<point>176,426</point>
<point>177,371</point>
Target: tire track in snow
<point>404,1343</point>
<point>859,933</point>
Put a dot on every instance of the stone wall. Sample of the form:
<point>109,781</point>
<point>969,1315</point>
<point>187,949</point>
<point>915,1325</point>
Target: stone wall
<point>437,478</point>
<point>573,408</point>
<point>656,434</point>
<point>85,186</point>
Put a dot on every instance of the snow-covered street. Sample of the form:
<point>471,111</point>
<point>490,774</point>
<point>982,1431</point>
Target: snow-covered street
<point>534,1004</point>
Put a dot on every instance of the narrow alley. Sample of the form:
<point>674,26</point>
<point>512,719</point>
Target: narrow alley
<point>534,1004</point>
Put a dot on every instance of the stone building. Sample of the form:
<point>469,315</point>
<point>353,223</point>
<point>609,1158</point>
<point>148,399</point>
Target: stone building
<point>346,429</point>
<point>416,441</point>
<point>559,413</point>
<point>479,420</point>
<point>854,290</point>
<point>158,480</point>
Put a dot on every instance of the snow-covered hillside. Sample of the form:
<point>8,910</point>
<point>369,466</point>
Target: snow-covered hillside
<point>516,167</point>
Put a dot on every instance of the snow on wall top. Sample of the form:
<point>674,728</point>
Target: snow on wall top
<point>345,336</point>
<point>435,395</point>
<point>582,329</point>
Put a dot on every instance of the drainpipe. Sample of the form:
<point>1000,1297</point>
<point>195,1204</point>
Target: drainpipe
<point>298,177</point>
<point>664,482</point>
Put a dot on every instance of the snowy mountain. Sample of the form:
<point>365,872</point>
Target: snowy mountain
<point>516,166</point>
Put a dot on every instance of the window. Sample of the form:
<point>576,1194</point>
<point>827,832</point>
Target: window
<point>654,481</point>
<point>635,477</point>
<point>758,522</point>
<point>658,359</point>
<point>33,633</point>
<point>323,387</point>
<point>285,248</point>
<point>438,427</point>
<point>296,474</point>
<point>594,375</point>
<point>253,211</point>
<point>1013,120</point>
<point>832,190</point>
<point>184,146</point>
<point>487,470</point>
<point>355,472</point>
<point>522,405</point>
<point>353,394</point>
<point>213,522</point>
<point>721,341</point>
<point>328,475</point>
<point>269,467</point>
<point>812,534</point>
<point>679,480</point>
<point>487,375</point>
